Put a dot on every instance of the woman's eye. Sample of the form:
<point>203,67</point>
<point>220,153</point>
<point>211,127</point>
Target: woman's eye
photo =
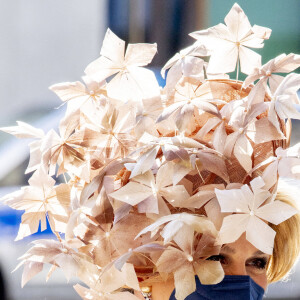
<point>259,263</point>
<point>219,258</point>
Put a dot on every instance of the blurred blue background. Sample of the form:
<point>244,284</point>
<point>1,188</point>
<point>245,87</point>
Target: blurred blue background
<point>50,41</point>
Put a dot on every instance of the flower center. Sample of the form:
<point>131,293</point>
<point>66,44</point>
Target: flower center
<point>190,258</point>
<point>268,73</point>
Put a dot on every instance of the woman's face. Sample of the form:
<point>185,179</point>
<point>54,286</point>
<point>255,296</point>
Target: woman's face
<point>242,258</point>
<point>238,258</point>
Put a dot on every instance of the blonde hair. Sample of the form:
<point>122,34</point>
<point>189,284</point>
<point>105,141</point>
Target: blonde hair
<point>287,240</point>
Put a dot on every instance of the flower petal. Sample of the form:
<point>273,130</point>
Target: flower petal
<point>276,212</point>
<point>237,22</point>
<point>184,280</point>
<point>132,193</point>
<point>209,272</point>
<point>140,54</point>
<point>232,200</point>
<point>249,60</point>
<point>264,241</point>
<point>233,227</point>
<point>223,60</point>
<point>243,151</point>
<point>175,195</point>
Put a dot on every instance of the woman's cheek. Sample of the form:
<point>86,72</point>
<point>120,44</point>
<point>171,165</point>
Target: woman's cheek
<point>260,278</point>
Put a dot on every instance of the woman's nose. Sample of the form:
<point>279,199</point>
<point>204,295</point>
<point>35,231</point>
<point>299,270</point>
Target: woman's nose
<point>235,269</point>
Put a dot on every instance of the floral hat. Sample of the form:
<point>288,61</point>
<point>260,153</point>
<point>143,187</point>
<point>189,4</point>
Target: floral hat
<point>157,179</point>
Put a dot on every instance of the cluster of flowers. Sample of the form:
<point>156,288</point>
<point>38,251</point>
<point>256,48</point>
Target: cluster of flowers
<point>158,179</point>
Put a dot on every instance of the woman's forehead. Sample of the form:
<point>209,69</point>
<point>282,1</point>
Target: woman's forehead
<point>241,245</point>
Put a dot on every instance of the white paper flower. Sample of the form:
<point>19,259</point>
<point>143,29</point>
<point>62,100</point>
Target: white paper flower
<point>284,99</point>
<point>131,80</point>
<point>267,73</point>
<point>286,163</point>
<point>186,63</point>
<point>251,215</point>
<point>231,42</point>
<point>147,191</point>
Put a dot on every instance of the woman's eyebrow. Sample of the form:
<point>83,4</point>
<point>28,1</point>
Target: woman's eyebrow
<point>259,253</point>
<point>228,249</point>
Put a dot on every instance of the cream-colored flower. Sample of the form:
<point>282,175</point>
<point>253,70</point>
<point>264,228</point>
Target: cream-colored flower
<point>230,43</point>
<point>251,214</point>
<point>131,80</point>
<point>267,73</point>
